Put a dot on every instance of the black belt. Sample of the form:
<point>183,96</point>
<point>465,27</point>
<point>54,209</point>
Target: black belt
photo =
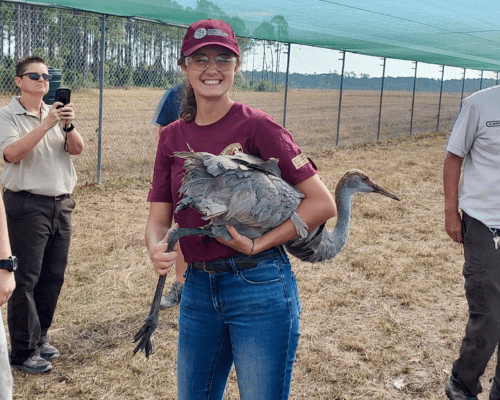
<point>41,196</point>
<point>241,262</point>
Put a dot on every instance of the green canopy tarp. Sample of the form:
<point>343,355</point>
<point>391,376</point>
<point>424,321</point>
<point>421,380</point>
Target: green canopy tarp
<point>461,33</point>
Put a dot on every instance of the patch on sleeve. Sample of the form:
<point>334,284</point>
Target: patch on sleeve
<point>492,124</point>
<point>300,161</point>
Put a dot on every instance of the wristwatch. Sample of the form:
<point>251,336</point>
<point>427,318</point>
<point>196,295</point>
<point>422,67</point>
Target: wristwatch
<point>69,128</point>
<point>10,264</point>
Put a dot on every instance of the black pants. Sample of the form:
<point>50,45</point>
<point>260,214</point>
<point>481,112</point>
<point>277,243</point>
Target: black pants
<point>482,288</point>
<point>40,234</point>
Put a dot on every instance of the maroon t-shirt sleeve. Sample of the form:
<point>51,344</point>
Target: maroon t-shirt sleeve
<point>272,140</point>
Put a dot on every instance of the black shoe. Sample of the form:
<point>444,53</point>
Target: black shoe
<point>35,365</point>
<point>173,298</point>
<point>494,391</point>
<point>455,393</point>
<point>48,351</point>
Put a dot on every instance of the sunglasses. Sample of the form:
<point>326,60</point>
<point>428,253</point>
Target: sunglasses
<point>34,76</point>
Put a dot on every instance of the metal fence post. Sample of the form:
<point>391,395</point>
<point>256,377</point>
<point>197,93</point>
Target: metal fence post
<point>413,98</point>
<point>440,97</point>
<point>481,81</point>
<point>340,98</point>
<point>101,91</point>
<point>381,97</point>
<point>286,84</point>
<point>463,86</point>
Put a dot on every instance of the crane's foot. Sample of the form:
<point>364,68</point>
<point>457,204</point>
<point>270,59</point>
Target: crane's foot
<point>144,335</point>
<point>175,234</point>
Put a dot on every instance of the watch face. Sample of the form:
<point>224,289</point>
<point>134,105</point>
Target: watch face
<point>14,263</point>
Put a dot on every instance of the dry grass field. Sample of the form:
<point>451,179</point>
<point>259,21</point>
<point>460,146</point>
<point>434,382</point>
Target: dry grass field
<point>128,148</point>
<point>383,320</point>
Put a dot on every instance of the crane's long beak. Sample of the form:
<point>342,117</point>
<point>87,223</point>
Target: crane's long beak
<point>384,192</point>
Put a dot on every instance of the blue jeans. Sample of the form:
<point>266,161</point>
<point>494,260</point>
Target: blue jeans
<point>249,317</point>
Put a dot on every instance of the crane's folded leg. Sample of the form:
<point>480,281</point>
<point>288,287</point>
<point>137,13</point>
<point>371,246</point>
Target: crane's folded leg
<point>151,322</point>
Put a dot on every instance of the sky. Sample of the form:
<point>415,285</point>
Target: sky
<point>311,60</point>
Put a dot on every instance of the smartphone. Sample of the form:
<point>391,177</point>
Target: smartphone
<point>63,95</point>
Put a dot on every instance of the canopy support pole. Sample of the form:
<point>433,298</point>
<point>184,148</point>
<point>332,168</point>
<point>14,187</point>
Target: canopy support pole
<point>286,84</point>
<point>381,97</point>
<point>440,98</point>
<point>101,91</point>
<point>340,98</point>
<point>463,87</point>
<point>413,98</point>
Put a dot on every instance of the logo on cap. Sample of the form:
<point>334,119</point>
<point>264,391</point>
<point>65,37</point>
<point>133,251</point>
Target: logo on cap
<point>200,33</point>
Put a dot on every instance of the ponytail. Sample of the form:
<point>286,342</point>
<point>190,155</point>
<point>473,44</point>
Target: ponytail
<point>188,103</point>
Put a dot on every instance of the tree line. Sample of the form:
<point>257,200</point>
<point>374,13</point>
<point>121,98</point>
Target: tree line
<point>137,52</point>
<point>365,82</point>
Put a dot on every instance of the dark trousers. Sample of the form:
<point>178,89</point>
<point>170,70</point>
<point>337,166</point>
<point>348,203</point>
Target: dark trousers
<point>40,234</point>
<point>482,288</point>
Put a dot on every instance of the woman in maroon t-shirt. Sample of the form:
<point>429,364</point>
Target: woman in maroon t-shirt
<point>240,302</point>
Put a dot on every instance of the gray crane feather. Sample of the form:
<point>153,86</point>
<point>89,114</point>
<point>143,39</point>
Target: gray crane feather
<point>240,190</point>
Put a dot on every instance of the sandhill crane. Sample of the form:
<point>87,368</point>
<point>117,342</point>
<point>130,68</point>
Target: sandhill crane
<point>244,191</point>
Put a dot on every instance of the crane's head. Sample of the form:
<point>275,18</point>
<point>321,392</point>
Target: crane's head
<point>355,181</point>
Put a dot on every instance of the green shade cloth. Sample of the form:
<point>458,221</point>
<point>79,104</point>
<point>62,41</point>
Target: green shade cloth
<point>460,33</point>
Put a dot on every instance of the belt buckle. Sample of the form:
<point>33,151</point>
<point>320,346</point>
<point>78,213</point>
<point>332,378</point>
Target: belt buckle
<point>205,270</point>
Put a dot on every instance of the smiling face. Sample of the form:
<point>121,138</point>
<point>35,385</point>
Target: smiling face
<point>210,83</point>
<point>30,87</point>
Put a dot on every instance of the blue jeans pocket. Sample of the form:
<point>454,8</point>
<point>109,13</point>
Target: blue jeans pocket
<point>264,273</point>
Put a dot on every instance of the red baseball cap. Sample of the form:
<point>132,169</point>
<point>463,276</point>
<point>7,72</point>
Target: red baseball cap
<point>209,32</point>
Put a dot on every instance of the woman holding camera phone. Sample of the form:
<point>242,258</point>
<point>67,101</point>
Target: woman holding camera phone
<point>37,141</point>
<point>240,302</point>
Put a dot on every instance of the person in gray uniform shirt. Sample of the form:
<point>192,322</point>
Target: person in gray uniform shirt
<point>475,144</point>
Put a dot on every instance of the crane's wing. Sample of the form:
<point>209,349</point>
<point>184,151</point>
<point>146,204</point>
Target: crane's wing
<point>240,189</point>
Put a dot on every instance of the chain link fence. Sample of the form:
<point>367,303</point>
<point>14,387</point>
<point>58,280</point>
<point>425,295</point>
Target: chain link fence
<point>115,99</point>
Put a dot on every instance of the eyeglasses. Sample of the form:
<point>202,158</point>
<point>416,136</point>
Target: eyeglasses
<point>34,76</point>
<point>202,63</point>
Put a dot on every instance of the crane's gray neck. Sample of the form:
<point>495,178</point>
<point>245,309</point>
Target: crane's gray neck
<point>343,201</point>
<point>330,243</point>
<point>340,233</point>
<point>321,244</point>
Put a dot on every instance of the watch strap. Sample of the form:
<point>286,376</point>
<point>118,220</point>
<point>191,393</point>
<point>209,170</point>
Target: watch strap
<point>69,129</point>
<point>10,264</point>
